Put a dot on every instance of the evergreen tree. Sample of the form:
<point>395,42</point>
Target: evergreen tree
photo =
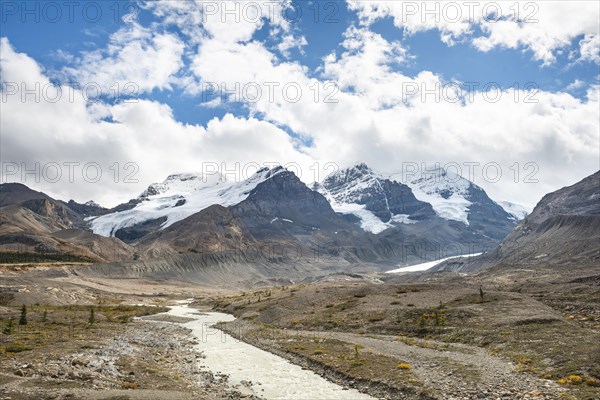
<point>92,318</point>
<point>8,329</point>
<point>23,318</point>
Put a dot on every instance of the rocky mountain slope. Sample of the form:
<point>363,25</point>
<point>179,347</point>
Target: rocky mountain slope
<point>562,230</point>
<point>36,228</point>
<point>354,216</point>
<point>178,197</point>
<point>383,201</point>
<point>563,227</point>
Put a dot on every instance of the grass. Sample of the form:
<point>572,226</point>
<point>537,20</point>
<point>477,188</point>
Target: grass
<point>509,324</point>
<point>356,363</point>
<point>66,324</point>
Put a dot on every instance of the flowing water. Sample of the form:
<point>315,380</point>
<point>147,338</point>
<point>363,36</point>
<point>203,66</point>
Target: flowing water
<point>271,376</point>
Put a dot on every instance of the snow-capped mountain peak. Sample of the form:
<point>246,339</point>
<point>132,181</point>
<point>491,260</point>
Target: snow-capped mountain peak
<point>377,201</point>
<point>381,201</point>
<point>180,196</point>
<point>446,191</point>
<point>518,211</point>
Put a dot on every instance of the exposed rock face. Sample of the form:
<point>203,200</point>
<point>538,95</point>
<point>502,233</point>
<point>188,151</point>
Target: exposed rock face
<point>383,197</point>
<point>36,228</point>
<point>285,201</point>
<point>562,230</point>
<point>90,208</point>
<point>436,200</point>
<point>563,227</point>
<point>487,217</point>
<point>187,213</point>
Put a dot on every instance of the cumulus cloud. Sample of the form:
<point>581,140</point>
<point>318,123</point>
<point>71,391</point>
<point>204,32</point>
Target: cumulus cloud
<point>291,42</point>
<point>590,48</point>
<point>544,28</point>
<point>552,136</point>
<point>136,60</point>
<point>83,137</point>
<point>375,113</point>
<point>366,67</point>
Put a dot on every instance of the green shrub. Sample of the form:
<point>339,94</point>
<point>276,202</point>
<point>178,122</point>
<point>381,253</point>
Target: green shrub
<point>23,317</point>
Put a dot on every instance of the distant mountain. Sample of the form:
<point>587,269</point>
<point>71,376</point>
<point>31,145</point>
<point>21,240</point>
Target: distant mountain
<point>29,209</point>
<point>377,201</point>
<point>355,216</point>
<point>563,230</point>
<point>382,201</point>
<point>178,197</point>
<point>90,208</point>
<point>564,227</point>
<point>280,211</point>
<point>36,228</point>
<point>518,211</point>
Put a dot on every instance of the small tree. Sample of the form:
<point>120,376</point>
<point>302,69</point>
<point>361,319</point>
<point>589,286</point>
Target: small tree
<point>45,316</point>
<point>92,318</point>
<point>481,293</point>
<point>8,329</point>
<point>422,322</point>
<point>23,318</point>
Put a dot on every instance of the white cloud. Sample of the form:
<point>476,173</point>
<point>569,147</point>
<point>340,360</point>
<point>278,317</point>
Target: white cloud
<point>366,67</point>
<point>590,48</point>
<point>372,118</point>
<point>143,132</point>
<point>291,42</point>
<point>544,28</point>
<point>371,122</point>
<point>135,56</point>
<point>575,85</point>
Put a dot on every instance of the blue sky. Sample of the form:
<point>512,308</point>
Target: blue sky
<point>321,23</point>
<point>370,50</point>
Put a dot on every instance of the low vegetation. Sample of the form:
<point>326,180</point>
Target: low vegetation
<point>514,323</point>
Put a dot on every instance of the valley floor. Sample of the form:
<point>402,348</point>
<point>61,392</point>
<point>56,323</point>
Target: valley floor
<point>67,358</point>
<point>448,338</point>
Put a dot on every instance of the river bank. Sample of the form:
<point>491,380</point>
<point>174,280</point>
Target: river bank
<point>66,357</point>
<point>255,371</point>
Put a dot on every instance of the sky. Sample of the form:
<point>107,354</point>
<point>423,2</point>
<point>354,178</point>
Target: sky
<point>99,99</point>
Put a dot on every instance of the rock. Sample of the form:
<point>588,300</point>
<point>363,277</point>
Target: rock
<point>83,362</point>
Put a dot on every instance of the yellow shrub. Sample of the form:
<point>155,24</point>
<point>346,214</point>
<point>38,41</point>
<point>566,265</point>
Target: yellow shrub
<point>403,366</point>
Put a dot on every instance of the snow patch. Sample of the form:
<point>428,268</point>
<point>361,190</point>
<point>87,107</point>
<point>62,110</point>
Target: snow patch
<point>427,265</point>
<point>403,219</point>
<point>518,211</point>
<point>445,191</point>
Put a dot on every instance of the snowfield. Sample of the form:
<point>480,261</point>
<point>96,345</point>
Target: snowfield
<point>428,265</point>
<point>180,196</point>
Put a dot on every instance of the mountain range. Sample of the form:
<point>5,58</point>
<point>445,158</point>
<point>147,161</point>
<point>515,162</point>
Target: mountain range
<point>354,217</point>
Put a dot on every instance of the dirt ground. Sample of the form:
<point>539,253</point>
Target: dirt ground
<point>460,340</point>
<point>61,354</point>
<point>512,336</point>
